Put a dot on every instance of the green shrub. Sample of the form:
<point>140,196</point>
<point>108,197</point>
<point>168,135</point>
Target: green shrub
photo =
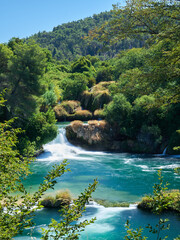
<point>41,128</point>
<point>150,135</point>
<point>73,86</point>
<point>118,111</point>
<point>104,74</point>
<point>172,198</point>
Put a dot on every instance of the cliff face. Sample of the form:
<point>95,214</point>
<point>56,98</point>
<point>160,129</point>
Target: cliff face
<point>98,135</point>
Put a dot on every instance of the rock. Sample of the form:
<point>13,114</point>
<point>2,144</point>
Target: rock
<point>99,135</point>
<point>95,134</point>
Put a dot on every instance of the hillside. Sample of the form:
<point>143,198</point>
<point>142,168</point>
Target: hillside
<point>66,40</point>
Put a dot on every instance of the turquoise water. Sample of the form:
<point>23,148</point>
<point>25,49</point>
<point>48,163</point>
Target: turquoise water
<point>122,177</point>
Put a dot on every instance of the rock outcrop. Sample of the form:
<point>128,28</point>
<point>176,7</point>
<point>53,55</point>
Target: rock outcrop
<point>99,135</point>
<point>94,135</point>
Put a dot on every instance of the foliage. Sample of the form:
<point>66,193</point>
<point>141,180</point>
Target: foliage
<point>171,197</point>
<point>67,41</point>
<point>158,19</point>
<point>71,106</point>
<point>174,143</point>
<point>104,74</point>
<point>98,113</point>
<point>73,86</point>
<point>41,128</point>
<point>15,215</point>
<point>118,111</point>
<point>134,234</point>
<point>25,68</point>
<point>158,202</point>
<point>81,65</point>
<point>66,229</point>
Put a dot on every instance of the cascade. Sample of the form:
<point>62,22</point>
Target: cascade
<point>164,152</point>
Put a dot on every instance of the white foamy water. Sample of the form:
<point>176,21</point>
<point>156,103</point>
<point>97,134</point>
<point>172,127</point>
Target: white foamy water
<point>60,148</point>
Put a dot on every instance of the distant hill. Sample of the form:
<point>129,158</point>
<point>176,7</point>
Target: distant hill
<point>66,40</point>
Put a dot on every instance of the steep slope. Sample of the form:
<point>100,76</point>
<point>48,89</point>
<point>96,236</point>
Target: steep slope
<point>66,40</point>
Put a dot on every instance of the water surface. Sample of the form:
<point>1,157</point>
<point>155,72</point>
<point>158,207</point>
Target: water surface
<point>122,177</point>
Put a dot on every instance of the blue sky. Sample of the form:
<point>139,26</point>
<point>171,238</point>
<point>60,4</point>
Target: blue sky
<point>22,18</point>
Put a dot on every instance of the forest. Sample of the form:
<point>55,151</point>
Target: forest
<point>99,68</point>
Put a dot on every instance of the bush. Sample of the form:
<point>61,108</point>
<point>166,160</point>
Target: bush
<point>107,203</point>
<point>64,195</point>
<point>101,86</point>
<point>172,197</point>
<point>73,86</point>
<point>98,113</point>
<point>60,113</point>
<point>82,115</point>
<point>101,98</point>
<point>71,106</point>
<point>81,65</point>
<point>41,128</point>
<point>61,199</point>
<point>118,111</point>
<point>104,74</point>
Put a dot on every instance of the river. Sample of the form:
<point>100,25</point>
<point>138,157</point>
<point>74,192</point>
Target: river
<point>122,177</point>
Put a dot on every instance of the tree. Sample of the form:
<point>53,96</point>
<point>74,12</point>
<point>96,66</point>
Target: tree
<point>156,19</point>
<point>23,78</point>
<point>73,86</point>
<point>17,205</point>
<point>159,21</point>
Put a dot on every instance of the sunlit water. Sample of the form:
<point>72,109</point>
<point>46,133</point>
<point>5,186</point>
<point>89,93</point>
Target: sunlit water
<point>122,177</point>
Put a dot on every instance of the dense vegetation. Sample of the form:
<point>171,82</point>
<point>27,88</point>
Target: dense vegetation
<point>137,92</point>
<point>66,41</point>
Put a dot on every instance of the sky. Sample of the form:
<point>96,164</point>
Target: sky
<point>23,18</point>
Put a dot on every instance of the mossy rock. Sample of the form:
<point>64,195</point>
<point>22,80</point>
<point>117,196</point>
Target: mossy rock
<point>71,106</point>
<point>61,199</point>
<point>60,113</point>
<point>83,115</point>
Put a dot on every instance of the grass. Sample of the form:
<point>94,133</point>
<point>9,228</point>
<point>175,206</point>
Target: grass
<point>60,199</point>
<point>82,115</point>
<point>99,113</point>
<point>107,203</point>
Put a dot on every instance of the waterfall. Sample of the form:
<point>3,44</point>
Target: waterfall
<point>164,152</point>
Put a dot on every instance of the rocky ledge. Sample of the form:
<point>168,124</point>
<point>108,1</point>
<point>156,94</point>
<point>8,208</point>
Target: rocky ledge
<point>98,135</point>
